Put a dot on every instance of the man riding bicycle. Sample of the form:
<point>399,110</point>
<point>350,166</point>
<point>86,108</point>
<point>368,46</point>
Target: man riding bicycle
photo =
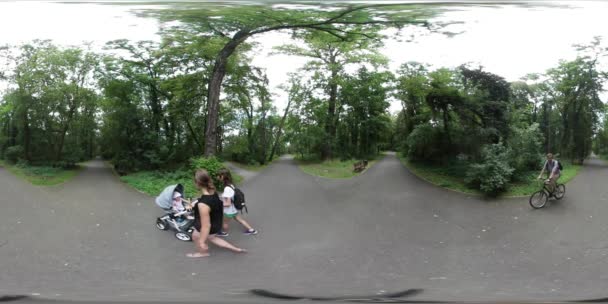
<point>552,167</point>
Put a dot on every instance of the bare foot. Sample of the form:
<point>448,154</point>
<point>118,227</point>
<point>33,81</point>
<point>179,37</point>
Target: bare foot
<point>197,255</point>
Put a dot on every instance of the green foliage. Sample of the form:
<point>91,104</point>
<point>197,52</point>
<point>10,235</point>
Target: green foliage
<point>364,124</point>
<point>525,148</point>
<point>601,140</point>
<point>493,174</point>
<point>51,103</point>
<point>43,175</point>
<point>450,176</point>
<point>574,88</point>
<point>13,154</point>
<point>453,176</point>
<point>153,182</point>
<point>211,164</point>
<point>425,143</point>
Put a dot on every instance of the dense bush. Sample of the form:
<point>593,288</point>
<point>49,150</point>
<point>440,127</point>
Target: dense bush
<point>211,164</point>
<point>237,150</point>
<point>493,174</point>
<point>73,155</point>
<point>424,143</point>
<point>13,154</point>
<point>525,148</point>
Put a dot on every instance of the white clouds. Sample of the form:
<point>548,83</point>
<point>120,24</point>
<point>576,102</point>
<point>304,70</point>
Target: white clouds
<point>71,24</point>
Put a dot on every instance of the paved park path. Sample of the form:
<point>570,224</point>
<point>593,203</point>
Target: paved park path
<point>385,230</point>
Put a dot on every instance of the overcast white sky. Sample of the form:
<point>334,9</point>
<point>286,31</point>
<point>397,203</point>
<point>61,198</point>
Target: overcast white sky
<point>509,41</point>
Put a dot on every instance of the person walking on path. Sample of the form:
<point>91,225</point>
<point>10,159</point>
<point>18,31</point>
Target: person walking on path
<point>208,217</point>
<point>230,211</point>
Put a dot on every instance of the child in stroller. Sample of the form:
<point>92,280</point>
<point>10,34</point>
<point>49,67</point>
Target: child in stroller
<point>179,210</point>
<point>177,216</point>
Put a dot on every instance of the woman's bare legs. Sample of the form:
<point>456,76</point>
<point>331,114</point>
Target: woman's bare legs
<point>224,244</point>
<point>200,252</point>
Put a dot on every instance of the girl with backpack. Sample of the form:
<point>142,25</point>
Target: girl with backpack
<point>230,211</point>
<point>208,217</point>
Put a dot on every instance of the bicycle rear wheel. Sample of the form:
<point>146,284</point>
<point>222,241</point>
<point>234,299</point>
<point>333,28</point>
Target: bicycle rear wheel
<point>538,199</point>
<point>560,191</point>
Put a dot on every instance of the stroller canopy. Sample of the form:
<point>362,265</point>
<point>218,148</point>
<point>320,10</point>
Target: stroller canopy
<point>165,198</point>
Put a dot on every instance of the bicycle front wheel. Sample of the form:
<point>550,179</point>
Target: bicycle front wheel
<point>538,199</point>
<point>560,191</point>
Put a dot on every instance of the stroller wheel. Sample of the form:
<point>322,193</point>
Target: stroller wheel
<point>160,224</point>
<point>183,236</point>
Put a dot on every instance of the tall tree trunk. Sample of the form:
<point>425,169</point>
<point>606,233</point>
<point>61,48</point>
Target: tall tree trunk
<point>191,129</point>
<point>170,133</point>
<point>214,88</point>
<point>278,137</point>
<point>546,128</point>
<point>446,128</point>
<point>64,130</point>
<point>156,110</point>
<point>261,155</point>
<point>219,140</point>
<point>330,124</point>
<point>249,112</point>
<point>26,133</point>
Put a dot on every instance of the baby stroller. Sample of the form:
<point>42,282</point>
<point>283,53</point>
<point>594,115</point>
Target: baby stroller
<point>175,221</point>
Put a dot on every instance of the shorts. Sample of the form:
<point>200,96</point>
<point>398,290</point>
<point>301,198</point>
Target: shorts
<point>230,216</point>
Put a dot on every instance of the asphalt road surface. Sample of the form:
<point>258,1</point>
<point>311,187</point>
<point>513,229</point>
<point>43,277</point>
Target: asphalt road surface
<point>94,238</point>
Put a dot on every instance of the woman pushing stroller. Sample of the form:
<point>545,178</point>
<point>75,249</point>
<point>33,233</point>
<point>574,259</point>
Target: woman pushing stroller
<point>208,217</point>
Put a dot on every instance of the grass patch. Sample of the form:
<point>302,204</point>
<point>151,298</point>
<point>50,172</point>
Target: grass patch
<point>450,177</point>
<point>248,167</point>
<point>332,168</point>
<point>41,175</point>
<point>254,167</point>
<point>453,177</point>
<point>153,182</point>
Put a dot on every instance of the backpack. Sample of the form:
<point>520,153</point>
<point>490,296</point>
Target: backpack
<point>239,199</point>
<point>559,164</point>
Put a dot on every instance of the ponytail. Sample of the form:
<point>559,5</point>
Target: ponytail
<point>203,180</point>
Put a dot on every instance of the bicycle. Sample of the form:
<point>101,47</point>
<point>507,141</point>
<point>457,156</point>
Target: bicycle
<point>539,198</point>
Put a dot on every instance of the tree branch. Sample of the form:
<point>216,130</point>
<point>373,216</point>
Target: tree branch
<point>333,21</point>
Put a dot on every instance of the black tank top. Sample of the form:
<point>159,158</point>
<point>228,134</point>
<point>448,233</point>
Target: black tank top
<point>216,216</point>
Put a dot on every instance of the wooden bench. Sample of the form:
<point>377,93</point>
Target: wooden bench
<point>360,166</point>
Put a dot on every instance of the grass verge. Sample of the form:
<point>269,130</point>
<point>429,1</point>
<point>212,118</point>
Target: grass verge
<point>333,168</point>
<point>452,177</point>
<point>439,176</point>
<point>153,182</point>
<point>255,168</point>
<point>41,175</point>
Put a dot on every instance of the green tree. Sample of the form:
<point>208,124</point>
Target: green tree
<point>365,123</point>
<point>236,24</point>
<point>411,89</point>
<point>330,55</point>
<point>51,101</point>
<point>575,87</point>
